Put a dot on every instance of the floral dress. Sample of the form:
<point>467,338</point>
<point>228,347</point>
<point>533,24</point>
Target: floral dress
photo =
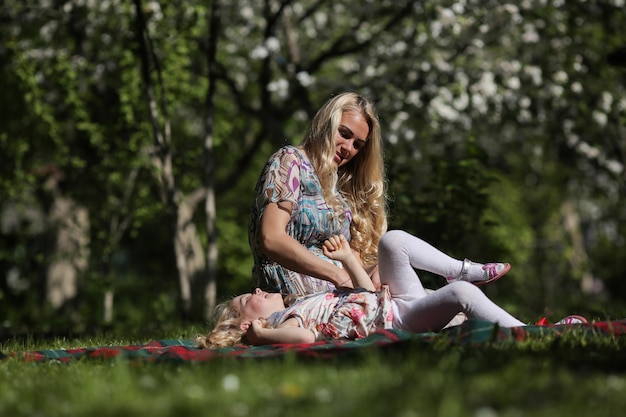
<point>341,313</point>
<point>289,176</point>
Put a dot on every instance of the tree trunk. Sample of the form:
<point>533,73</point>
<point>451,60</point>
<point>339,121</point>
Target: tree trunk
<point>579,259</point>
<point>189,252</point>
<point>209,284</point>
<point>190,260</point>
<point>71,229</point>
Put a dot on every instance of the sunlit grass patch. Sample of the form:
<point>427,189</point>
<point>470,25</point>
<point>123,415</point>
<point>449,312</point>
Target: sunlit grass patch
<point>571,375</point>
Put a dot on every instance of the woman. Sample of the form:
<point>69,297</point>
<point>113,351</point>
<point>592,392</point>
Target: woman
<point>332,184</point>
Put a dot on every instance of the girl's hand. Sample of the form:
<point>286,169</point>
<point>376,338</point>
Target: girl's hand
<point>337,248</point>
<point>255,332</point>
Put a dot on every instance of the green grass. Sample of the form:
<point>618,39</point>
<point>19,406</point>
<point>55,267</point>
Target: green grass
<point>571,376</point>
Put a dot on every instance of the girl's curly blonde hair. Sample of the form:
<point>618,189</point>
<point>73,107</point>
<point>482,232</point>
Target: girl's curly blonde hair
<point>362,181</point>
<point>226,332</point>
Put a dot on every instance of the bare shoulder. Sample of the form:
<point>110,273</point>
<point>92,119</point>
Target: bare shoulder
<point>290,322</point>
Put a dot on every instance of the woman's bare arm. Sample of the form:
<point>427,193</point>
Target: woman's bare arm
<point>277,245</point>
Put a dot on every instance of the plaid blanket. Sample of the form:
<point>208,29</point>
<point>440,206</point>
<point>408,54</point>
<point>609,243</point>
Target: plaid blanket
<point>470,333</point>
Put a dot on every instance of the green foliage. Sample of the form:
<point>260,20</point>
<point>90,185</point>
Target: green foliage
<point>446,210</point>
<point>497,118</point>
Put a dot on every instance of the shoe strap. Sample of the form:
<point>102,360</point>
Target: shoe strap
<point>465,269</point>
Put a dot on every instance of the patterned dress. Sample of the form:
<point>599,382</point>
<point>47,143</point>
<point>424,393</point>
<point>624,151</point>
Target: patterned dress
<point>289,176</point>
<point>341,313</point>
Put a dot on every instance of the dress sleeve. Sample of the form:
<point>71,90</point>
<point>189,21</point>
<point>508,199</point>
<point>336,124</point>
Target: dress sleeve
<point>281,181</point>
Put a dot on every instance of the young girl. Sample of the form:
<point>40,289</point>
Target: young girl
<point>260,318</point>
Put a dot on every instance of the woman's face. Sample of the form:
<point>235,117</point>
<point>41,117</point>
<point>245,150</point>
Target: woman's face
<point>257,304</point>
<point>351,136</point>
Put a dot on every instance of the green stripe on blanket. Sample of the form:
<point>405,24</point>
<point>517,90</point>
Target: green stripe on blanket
<point>470,333</point>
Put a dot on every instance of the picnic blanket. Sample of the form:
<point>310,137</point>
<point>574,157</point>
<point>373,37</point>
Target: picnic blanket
<point>470,333</point>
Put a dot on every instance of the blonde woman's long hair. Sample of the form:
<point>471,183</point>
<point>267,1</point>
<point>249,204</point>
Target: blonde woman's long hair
<point>362,181</point>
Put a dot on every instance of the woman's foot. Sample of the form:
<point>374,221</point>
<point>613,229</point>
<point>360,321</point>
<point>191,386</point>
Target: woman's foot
<point>480,274</point>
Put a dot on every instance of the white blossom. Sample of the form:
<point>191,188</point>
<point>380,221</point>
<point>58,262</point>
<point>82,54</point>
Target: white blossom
<point>272,44</point>
<point>530,35</point>
<point>47,31</point>
<point>435,29</point>
<point>556,90</point>
<point>399,47</point>
<point>524,116</point>
<point>560,77</point>
<point>600,118</point>
<point>305,78</point>
<point>513,83</point>
<point>259,52</point>
<point>479,103</point>
<point>524,102</point>
<point>534,73</point>
<point>461,102</point>
<point>588,150</point>
<point>458,8</point>
<point>606,101</point>
<point>280,87</point>
<point>512,66</point>
<point>487,85</point>
<point>414,98</point>
<point>247,12</point>
<point>510,8</point>
<point>447,17</point>
<point>321,19</point>
<point>615,167</point>
<point>443,109</point>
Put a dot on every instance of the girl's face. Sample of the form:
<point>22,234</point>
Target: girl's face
<point>258,304</point>
<point>352,135</point>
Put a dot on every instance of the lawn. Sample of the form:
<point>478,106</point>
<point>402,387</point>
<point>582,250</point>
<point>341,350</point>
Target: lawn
<point>568,376</point>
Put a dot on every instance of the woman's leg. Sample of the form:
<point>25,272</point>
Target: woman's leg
<point>432,313</point>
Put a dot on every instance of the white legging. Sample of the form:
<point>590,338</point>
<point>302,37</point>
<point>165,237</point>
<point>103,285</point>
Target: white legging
<point>399,254</point>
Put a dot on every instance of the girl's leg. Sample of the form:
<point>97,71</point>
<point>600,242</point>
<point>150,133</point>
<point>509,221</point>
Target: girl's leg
<point>400,253</point>
<point>432,313</point>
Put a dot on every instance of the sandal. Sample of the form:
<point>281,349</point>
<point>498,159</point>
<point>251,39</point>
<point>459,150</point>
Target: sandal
<point>573,319</point>
<point>491,272</point>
